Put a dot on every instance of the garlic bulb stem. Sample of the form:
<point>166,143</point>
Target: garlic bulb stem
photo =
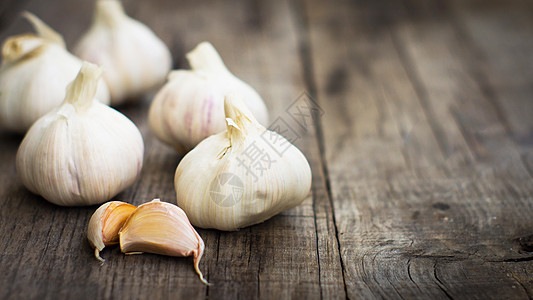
<point>239,119</point>
<point>109,12</point>
<point>81,92</point>
<point>17,47</point>
<point>205,57</point>
<point>43,30</point>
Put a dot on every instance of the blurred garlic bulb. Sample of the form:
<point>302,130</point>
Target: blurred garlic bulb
<point>239,177</point>
<point>82,152</point>
<point>105,224</point>
<point>135,60</point>
<point>34,74</point>
<point>161,228</point>
<point>190,107</point>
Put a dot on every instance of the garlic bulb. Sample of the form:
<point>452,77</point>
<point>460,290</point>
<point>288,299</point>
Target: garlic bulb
<point>239,177</point>
<point>34,74</point>
<point>105,224</point>
<point>190,107</point>
<point>161,228</point>
<point>135,60</point>
<point>82,152</point>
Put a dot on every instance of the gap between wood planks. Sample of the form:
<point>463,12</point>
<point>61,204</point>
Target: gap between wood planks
<point>308,72</point>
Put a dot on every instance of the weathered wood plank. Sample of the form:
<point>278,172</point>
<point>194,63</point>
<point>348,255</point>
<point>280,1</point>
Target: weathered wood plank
<point>419,203</point>
<point>501,37</point>
<point>497,211</point>
<point>292,255</point>
<point>421,162</point>
<point>366,121</point>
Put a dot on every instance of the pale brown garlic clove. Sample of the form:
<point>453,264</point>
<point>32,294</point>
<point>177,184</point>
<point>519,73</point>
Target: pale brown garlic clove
<point>105,224</point>
<point>161,228</point>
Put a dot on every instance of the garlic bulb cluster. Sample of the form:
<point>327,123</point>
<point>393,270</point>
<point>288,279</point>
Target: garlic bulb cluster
<point>135,60</point>
<point>161,228</point>
<point>190,106</point>
<point>105,224</point>
<point>82,152</point>
<point>34,74</point>
<point>242,176</point>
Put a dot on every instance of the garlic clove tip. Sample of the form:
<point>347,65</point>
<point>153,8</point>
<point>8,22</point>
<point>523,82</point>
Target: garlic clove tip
<point>197,269</point>
<point>97,255</point>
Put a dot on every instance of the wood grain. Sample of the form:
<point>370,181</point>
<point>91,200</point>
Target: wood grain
<point>421,148</point>
<point>423,173</point>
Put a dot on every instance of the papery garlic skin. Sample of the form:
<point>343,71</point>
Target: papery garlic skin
<point>190,106</point>
<point>135,60</point>
<point>105,223</point>
<point>34,74</point>
<point>161,228</point>
<point>217,191</point>
<point>83,152</point>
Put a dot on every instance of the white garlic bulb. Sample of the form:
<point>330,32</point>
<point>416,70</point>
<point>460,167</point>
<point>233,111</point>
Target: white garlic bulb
<point>34,75</point>
<point>239,177</point>
<point>82,152</point>
<point>190,107</point>
<point>135,60</point>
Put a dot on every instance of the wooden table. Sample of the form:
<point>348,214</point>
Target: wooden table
<point>422,159</point>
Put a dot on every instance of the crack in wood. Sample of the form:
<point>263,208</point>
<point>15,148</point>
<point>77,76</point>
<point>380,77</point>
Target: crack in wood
<point>308,71</point>
<point>440,284</point>
<point>513,259</point>
<point>528,294</point>
<point>317,245</point>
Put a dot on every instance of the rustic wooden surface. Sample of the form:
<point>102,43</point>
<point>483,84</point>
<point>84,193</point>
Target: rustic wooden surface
<point>422,159</point>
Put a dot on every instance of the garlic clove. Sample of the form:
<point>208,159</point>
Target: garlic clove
<point>161,228</point>
<point>34,73</point>
<point>190,106</point>
<point>135,60</point>
<point>105,224</point>
<point>220,185</point>
<point>83,152</point>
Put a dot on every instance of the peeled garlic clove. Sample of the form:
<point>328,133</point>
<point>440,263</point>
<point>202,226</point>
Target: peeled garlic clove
<point>83,152</point>
<point>105,224</point>
<point>190,106</point>
<point>161,228</point>
<point>236,178</point>
<point>34,74</point>
<point>135,60</point>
